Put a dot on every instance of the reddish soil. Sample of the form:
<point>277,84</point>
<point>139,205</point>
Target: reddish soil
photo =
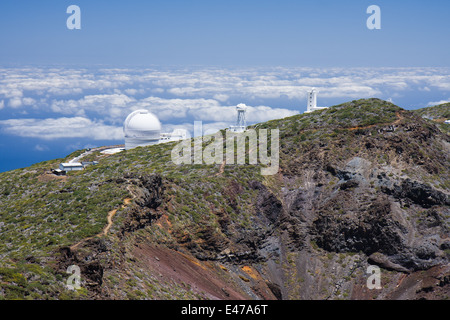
<point>185,269</point>
<point>47,176</point>
<point>428,284</point>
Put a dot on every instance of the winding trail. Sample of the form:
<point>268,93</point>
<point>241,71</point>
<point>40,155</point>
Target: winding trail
<point>111,214</point>
<point>222,167</point>
<point>399,118</point>
<point>109,220</point>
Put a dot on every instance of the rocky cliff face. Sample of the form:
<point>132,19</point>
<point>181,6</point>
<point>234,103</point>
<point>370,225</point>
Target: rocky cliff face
<point>363,183</point>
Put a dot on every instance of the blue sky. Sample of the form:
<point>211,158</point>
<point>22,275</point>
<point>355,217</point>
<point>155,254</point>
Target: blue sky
<point>244,32</point>
<point>62,90</point>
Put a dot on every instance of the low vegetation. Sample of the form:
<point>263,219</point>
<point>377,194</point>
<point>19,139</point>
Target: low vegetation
<point>41,213</point>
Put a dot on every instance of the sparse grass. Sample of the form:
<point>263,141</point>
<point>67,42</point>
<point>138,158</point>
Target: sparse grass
<point>39,216</point>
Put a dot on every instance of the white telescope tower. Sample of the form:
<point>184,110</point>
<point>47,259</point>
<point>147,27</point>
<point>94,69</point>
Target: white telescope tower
<point>311,97</point>
<point>241,124</point>
<point>312,100</point>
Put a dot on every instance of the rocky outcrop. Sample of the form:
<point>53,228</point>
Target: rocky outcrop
<point>266,202</point>
<point>87,259</point>
<point>371,230</point>
<point>149,195</point>
<point>150,191</point>
<point>382,224</point>
<point>418,193</point>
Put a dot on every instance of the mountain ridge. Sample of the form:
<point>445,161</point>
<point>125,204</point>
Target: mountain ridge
<point>364,182</point>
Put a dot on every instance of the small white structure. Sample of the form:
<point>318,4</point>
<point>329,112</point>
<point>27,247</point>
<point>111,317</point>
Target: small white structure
<point>89,163</point>
<point>58,172</point>
<point>447,121</point>
<point>141,128</point>
<point>72,166</point>
<point>241,123</point>
<point>112,151</point>
<point>311,98</point>
<point>176,135</point>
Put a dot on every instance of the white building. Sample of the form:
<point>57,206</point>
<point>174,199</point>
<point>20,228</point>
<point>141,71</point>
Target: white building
<point>176,135</point>
<point>142,128</point>
<point>311,98</point>
<point>241,122</point>
<point>71,166</point>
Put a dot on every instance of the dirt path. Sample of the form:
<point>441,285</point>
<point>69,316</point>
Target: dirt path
<point>399,118</point>
<point>108,226</point>
<point>111,214</point>
<point>222,167</point>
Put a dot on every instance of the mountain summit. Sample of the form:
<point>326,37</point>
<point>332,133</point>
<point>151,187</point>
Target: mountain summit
<point>359,184</point>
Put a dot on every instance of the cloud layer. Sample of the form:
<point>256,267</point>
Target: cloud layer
<point>52,103</point>
<point>47,129</point>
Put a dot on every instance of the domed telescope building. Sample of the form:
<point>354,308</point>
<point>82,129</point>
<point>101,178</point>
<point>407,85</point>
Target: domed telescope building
<point>141,128</point>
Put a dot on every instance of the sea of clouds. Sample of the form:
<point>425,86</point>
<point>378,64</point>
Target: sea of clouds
<point>92,103</point>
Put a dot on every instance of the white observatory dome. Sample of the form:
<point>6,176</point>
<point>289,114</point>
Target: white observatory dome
<point>141,128</point>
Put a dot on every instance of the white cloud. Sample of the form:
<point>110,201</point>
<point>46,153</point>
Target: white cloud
<point>41,147</point>
<point>264,113</point>
<point>221,97</point>
<point>280,82</point>
<point>213,127</point>
<point>214,83</point>
<point>133,91</point>
<point>167,109</point>
<point>15,102</point>
<point>207,128</point>
<point>228,113</point>
<point>435,103</point>
<point>186,94</point>
<point>101,104</point>
<point>76,127</point>
<point>10,91</point>
<point>105,99</point>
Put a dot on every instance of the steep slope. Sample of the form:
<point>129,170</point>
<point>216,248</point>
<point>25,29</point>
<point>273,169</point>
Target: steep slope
<point>440,111</point>
<point>438,114</point>
<point>361,183</point>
